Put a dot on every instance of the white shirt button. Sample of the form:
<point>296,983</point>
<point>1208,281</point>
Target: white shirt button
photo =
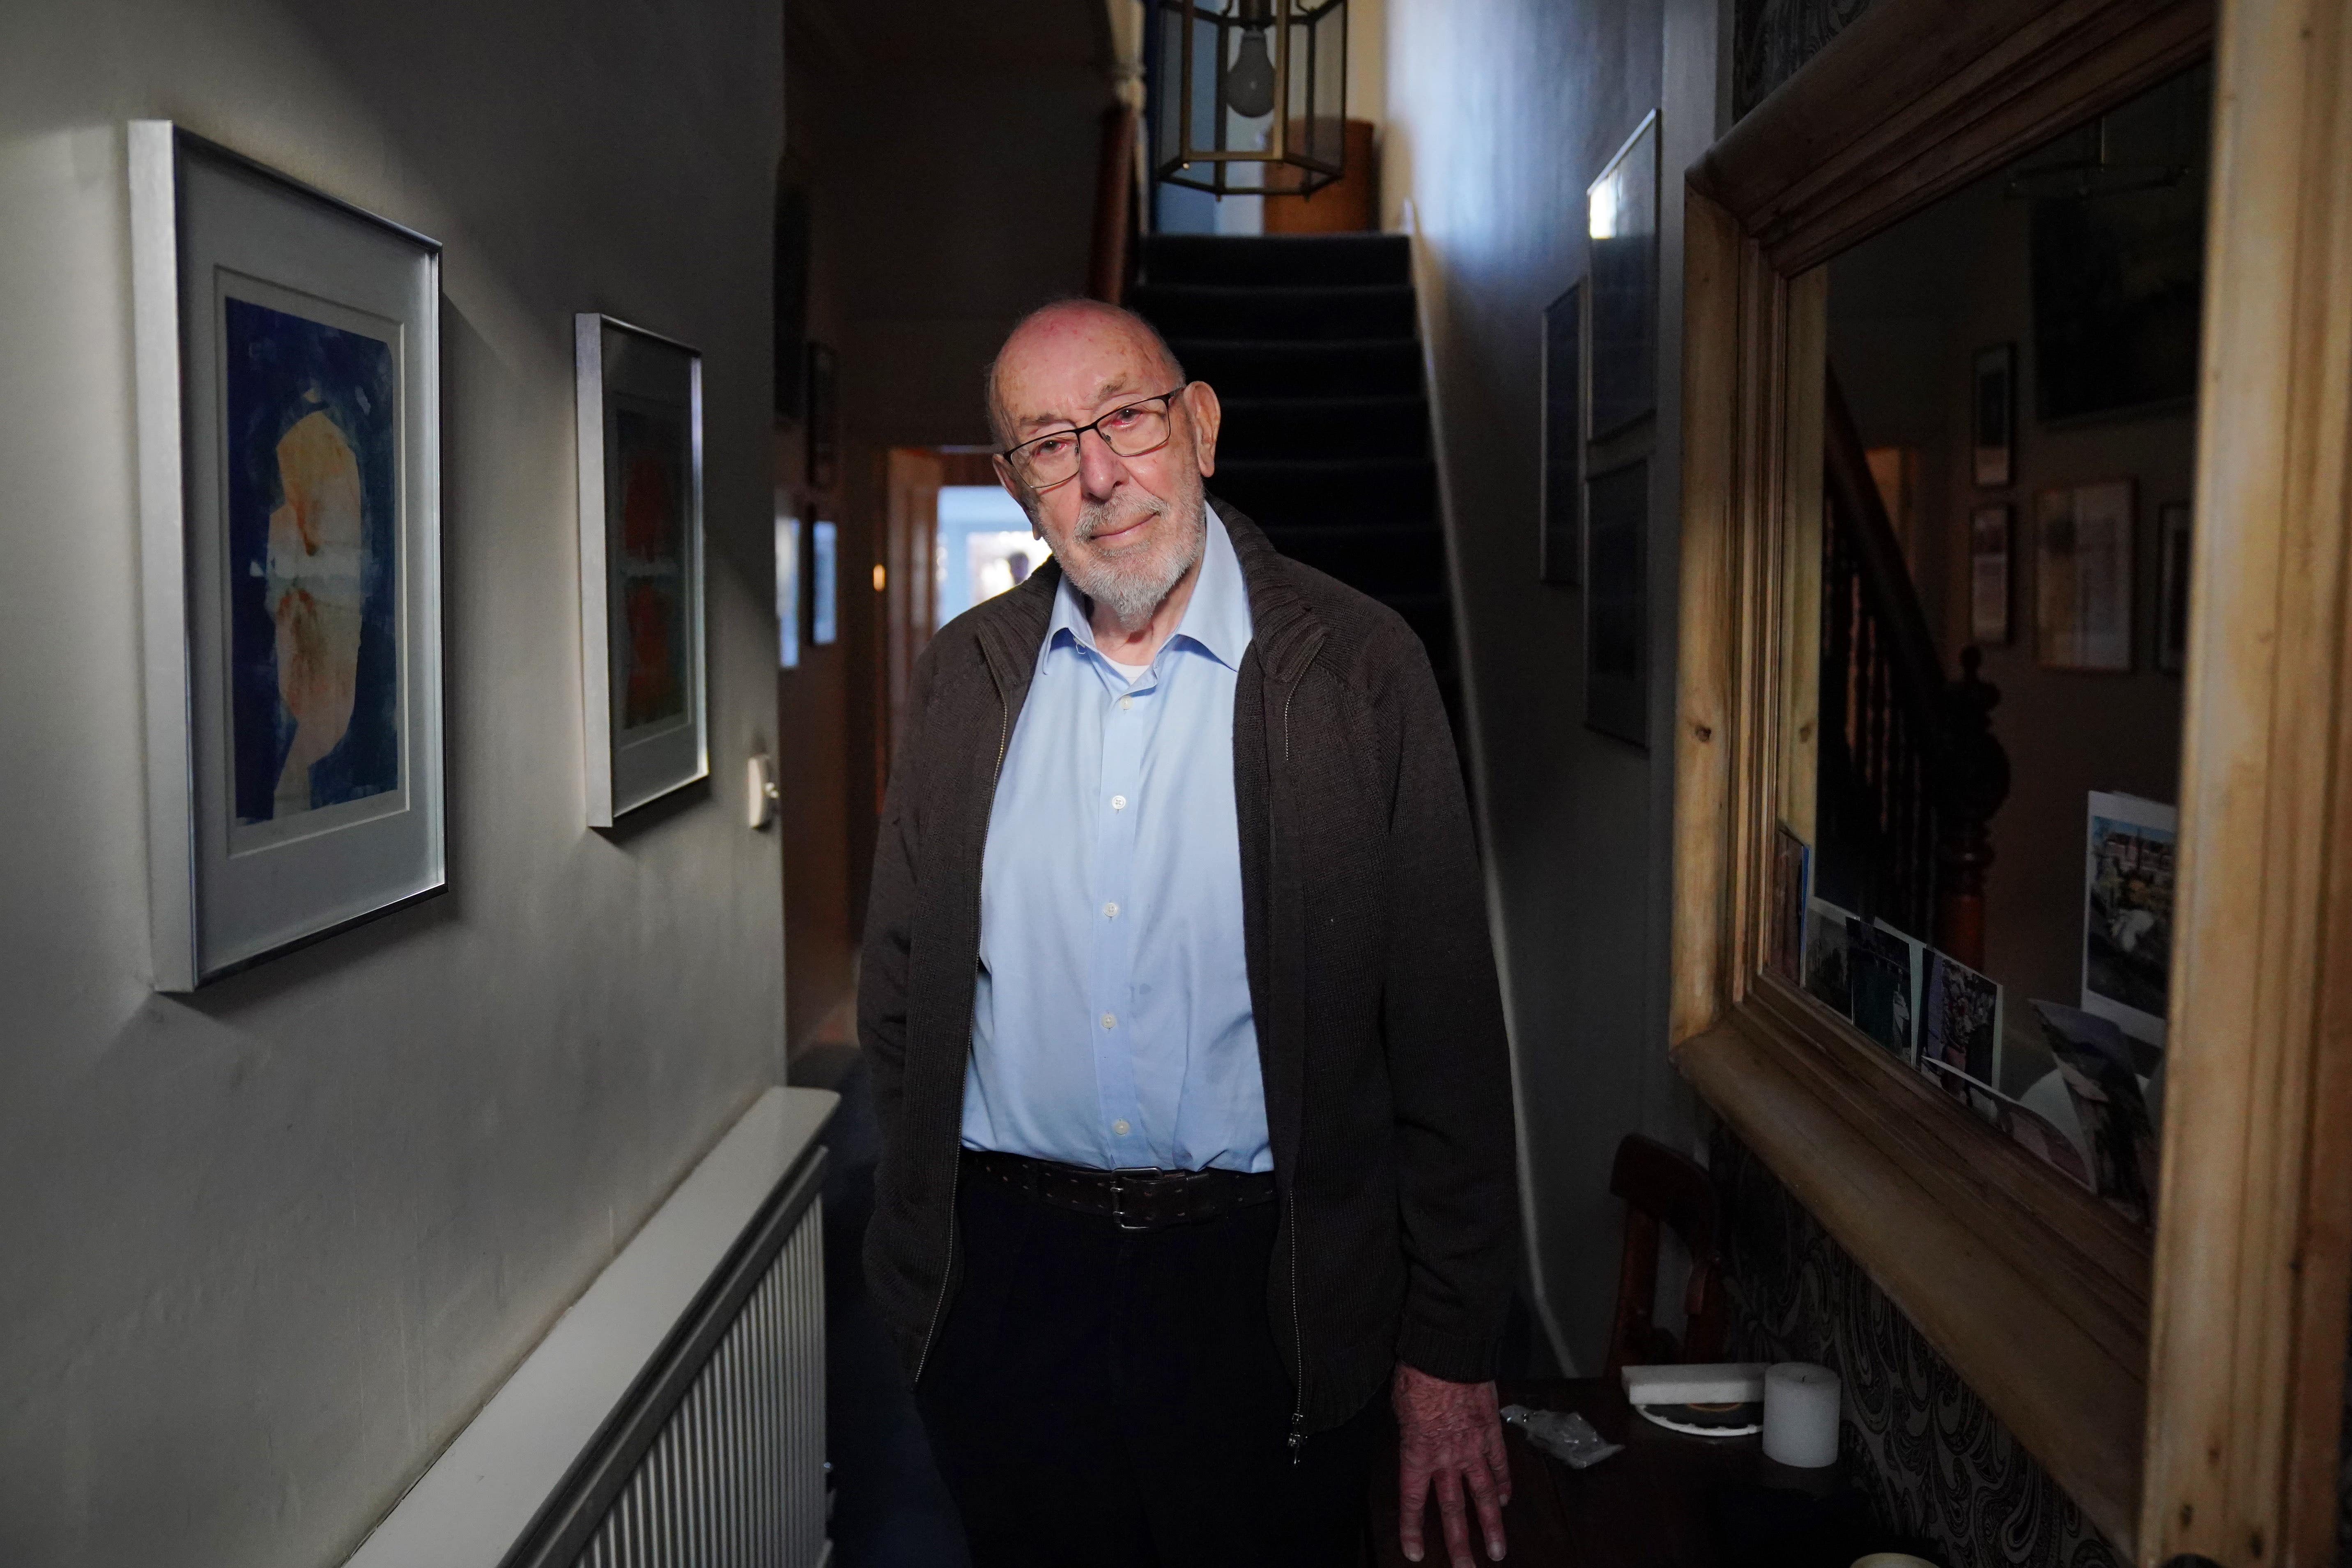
<point>1127,702</point>
<point>1118,803</point>
<point>1111,1021</point>
<point>1121,1128</point>
<point>1110,911</point>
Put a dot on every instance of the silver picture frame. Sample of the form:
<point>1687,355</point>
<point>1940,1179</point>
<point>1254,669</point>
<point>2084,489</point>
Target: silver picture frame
<point>286,356</point>
<point>1622,272</point>
<point>644,661</point>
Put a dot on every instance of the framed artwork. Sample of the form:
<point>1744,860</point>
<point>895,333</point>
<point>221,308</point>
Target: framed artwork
<point>2082,576</point>
<point>2118,290</point>
<point>1621,218</point>
<point>2172,542</point>
<point>1560,548</point>
<point>641,594</point>
<point>1617,603</point>
<point>1989,574</point>
<point>1993,414</point>
<point>823,417</point>
<point>287,363</point>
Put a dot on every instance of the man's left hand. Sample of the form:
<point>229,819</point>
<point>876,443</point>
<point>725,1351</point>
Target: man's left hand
<point>1449,1436</point>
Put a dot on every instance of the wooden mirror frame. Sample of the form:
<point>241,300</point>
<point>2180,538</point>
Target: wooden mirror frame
<point>2186,1397</point>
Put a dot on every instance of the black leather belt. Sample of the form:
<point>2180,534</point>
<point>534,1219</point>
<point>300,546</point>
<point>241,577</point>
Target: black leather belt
<point>1137,1199</point>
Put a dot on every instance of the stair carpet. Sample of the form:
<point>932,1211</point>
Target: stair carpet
<point>1310,342</point>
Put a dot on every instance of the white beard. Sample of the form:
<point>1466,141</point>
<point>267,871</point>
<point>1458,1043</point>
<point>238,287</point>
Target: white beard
<point>1132,588</point>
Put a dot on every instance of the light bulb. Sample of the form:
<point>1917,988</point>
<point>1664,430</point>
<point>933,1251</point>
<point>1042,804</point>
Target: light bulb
<point>1249,85</point>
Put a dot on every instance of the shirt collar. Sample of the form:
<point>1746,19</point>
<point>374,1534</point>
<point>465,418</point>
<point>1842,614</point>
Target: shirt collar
<point>1216,619</point>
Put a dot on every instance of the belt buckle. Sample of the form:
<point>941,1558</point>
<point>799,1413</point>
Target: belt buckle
<point>1119,1189</point>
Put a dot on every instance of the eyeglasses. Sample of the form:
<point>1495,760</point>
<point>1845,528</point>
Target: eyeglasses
<point>1131,430</point>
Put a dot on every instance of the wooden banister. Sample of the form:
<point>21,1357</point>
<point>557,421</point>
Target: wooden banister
<point>1918,772</point>
<point>1887,582</point>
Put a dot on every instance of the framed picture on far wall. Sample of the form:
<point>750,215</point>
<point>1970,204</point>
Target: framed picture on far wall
<point>1617,604</point>
<point>1559,547</point>
<point>286,353</point>
<point>1992,415</point>
<point>1989,575</point>
<point>1622,218</point>
<point>2082,576</point>
<point>825,583</point>
<point>2172,540</point>
<point>641,606</point>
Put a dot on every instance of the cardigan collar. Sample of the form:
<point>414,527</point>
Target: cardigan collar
<point>1285,630</point>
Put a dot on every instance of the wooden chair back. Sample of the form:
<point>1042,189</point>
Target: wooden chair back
<point>1661,1187</point>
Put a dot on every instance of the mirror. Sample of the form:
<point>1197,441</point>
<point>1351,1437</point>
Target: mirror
<point>1976,853</point>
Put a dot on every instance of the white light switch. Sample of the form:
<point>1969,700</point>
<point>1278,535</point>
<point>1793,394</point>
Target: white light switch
<point>759,795</point>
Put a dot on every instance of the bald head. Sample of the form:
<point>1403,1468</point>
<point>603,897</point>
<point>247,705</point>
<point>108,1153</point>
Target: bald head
<point>1075,333</point>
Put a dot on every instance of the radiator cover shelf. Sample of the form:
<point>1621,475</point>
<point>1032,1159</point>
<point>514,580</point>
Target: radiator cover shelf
<point>674,1417</point>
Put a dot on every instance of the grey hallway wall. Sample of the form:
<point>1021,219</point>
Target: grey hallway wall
<point>267,1246</point>
<point>1500,114</point>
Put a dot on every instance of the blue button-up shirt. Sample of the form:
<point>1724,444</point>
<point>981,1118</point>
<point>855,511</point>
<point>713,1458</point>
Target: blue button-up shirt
<point>1111,1025</point>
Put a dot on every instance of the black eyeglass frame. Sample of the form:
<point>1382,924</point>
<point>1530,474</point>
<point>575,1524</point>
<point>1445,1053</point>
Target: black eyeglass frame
<point>1166,401</point>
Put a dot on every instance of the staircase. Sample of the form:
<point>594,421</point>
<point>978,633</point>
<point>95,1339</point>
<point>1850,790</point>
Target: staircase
<point>1309,342</point>
<point>1911,773</point>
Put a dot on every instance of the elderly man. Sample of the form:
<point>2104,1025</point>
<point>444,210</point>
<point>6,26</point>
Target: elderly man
<point>1184,1022</point>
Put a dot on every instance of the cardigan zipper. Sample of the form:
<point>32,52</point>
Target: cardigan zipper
<point>955,1174</point>
<point>1290,1202</point>
<point>1297,1334</point>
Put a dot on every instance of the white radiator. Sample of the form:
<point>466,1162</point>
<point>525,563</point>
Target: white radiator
<point>737,1476</point>
<point>675,1416</point>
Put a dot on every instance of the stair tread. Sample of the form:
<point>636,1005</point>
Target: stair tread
<point>1354,258</point>
<point>1145,292</point>
<point>1317,345</point>
<point>1260,402</point>
<point>1256,467</point>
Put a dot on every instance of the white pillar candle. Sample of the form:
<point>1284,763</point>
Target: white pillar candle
<point>1801,1414</point>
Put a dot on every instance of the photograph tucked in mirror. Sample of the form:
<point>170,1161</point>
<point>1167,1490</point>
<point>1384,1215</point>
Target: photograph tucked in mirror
<point>1977,847</point>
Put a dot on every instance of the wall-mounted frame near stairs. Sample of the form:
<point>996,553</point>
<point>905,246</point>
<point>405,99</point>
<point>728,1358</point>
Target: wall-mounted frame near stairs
<point>2185,1394</point>
<point>673,1416</point>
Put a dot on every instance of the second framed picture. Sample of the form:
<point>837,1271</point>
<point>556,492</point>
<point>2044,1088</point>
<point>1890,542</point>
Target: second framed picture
<point>641,590</point>
<point>2082,576</point>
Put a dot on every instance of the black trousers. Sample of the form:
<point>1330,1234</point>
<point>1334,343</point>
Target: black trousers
<point>1107,1397</point>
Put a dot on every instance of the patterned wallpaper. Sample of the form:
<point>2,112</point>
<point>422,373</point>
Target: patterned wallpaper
<point>1933,1458</point>
<point>1770,39</point>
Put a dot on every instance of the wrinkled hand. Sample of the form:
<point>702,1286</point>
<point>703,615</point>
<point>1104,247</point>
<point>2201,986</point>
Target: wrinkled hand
<point>1449,1436</point>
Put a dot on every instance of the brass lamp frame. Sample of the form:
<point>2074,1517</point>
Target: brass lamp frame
<point>1283,17</point>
